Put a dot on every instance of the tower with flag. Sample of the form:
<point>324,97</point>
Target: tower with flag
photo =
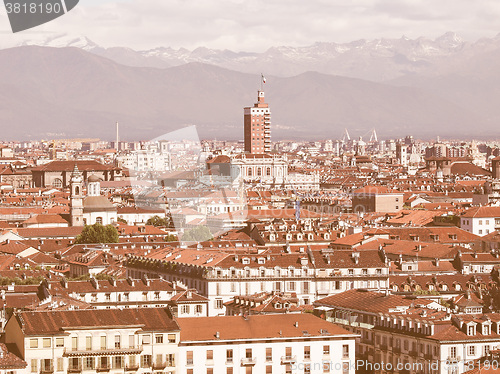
<point>257,124</point>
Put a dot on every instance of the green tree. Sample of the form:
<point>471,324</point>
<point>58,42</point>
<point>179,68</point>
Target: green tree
<point>121,220</point>
<point>97,233</point>
<point>158,221</point>
<point>171,238</point>
<point>197,234</point>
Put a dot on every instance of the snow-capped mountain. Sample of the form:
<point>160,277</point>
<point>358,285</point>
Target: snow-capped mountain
<point>375,60</point>
<point>378,60</point>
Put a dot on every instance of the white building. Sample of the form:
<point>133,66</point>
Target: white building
<point>481,220</point>
<point>138,340</point>
<point>220,275</point>
<point>286,343</point>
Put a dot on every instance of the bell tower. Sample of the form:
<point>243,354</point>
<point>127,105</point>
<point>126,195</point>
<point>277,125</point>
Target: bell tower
<point>76,197</point>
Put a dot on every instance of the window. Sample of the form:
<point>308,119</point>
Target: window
<point>103,342</point>
<point>486,350</point>
<point>210,370</point>
<point>472,350</point>
<point>189,358</point>
<point>307,352</point>
<point>248,353</point>
<point>98,220</point>
<point>170,357</point>
<point>131,341</point>
<point>229,356</point>
<point>453,352</point>
<point>171,338</point>
<point>210,355</point>
<point>34,366</point>
<point>199,309</point>
<point>88,363</point>
<point>33,343</point>
<point>470,330</point>
<point>185,309</point>
<point>74,343</point>
<point>118,362</point>
<point>60,364</point>
<point>229,371</point>
<point>345,351</point>
<point>345,368</point>
<point>218,304</point>
<point>131,361</point>
<point>59,342</point>
<point>146,339</point>
<point>47,342</point>
<point>88,343</point>
<point>269,354</point>
<point>269,369</point>
<point>145,361</point>
<point>159,338</point>
<point>326,349</point>
<point>117,341</point>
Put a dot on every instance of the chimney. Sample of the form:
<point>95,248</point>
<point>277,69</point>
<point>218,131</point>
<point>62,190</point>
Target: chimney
<point>296,324</point>
<point>355,257</point>
<point>94,282</point>
<point>217,335</point>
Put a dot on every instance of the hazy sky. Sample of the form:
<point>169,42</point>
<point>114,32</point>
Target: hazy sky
<point>255,25</point>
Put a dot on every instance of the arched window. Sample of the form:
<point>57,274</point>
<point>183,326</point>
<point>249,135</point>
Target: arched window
<point>57,183</point>
<point>77,190</point>
<point>98,220</point>
<point>268,172</point>
<point>249,172</point>
<point>259,172</point>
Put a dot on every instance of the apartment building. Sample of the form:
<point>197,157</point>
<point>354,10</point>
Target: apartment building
<point>221,275</point>
<point>109,340</point>
<point>287,343</point>
<point>128,293</point>
<point>481,220</point>
<point>409,335</point>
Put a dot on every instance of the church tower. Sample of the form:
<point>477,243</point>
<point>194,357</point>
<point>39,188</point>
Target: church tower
<point>76,197</point>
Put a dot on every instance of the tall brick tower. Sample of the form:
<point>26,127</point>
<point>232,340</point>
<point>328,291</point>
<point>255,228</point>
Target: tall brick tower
<point>495,166</point>
<point>257,121</point>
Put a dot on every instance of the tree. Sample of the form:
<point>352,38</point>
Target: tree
<point>121,220</point>
<point>197,234</point>
<point>171,238</point>
<point>157,221</point>
<point>97,233</point>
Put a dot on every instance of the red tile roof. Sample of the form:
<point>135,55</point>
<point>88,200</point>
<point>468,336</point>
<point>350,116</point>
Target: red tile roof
<point>257,327</point>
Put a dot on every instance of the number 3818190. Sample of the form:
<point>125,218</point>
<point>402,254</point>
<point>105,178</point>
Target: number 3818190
<point>33,8</point>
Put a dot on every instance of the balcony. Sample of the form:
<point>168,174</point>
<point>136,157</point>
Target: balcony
<point>413,353</point>
<point>75,369</point>
<point>102,368</point>
<point>248,361</point>
<point>288,360</point>
<point>133,367</point>
<point>103,352</point>
<point>47,370</point>
<point>159,365</point>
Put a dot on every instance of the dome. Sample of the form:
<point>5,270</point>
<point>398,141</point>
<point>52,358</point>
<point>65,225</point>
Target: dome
<point>93,178</point>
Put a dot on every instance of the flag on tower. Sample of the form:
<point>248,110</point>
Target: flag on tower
<point>263,78</point>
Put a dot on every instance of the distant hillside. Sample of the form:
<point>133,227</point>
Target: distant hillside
<point>48,92</point>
